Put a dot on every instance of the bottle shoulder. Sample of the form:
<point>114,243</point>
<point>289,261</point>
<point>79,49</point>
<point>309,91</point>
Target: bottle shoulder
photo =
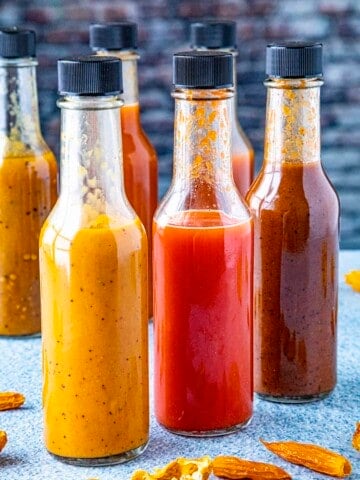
<point>240,141</point>
<point>292,186</point>
<point>179,205</point>
<point>59,230</point>
<point>137,144</point>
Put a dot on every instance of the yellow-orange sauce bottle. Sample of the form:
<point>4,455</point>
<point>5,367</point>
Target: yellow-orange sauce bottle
<point>221,35</point>
<point>119,39</point>
<point>93,264</point>
<point>28,184</point>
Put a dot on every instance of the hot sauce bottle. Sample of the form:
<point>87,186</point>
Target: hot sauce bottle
<point>221,35</point>
<point>203,263</point>
<point>93,264</point>
<point>28,184</point>
<point>296,218</point>
<point>139,156</point>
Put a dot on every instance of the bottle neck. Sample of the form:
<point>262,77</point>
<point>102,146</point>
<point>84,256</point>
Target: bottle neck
<point>202,163</point>
<point>91,162</point>
<point>129,61</point>
<point>292,132</point>
<point>234,54</point>
<point>19,113</point>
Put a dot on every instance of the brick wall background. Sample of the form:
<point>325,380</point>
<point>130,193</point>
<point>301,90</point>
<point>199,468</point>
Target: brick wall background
<point>62,29</point>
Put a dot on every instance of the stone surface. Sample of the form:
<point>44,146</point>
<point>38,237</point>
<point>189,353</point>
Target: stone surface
<point>330,422</point>
<point>62,28</point>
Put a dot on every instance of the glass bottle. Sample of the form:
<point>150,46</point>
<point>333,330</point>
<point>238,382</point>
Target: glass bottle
<point>93,264</point>
<point>28,184</point>
<point>221,35</point>
<point>139,156</point>
<point>203,263</point>
<point>296,218</point>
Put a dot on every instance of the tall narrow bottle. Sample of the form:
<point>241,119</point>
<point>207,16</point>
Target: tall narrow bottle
<point>296,215</point>
<point>93,264</point>
<point>28,184</point>
<point>221,35</point>
<point>203,263</point>
<point>139,156</point>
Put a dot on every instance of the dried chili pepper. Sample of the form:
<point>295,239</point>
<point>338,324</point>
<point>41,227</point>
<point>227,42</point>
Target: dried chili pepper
<point>179,468</point>
<point>353,279</point>
<point>3,439</point>
<point>11,400</point>
<point>238,468</point>
<point>311,456</point>
<point>356,437</point>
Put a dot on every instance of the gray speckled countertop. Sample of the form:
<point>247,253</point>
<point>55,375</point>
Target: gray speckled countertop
<point>330,423</point>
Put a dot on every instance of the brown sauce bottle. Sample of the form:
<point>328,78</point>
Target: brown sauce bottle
<point>296,221</point>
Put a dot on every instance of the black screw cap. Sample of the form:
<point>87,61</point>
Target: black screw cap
<point>213,34</point>
<point>89,75</point>
<point>198,69</point>
<point>113,36</point>
<point>294,59</point>
<point>17,43</point>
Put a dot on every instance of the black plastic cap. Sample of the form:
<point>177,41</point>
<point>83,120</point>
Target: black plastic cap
<point>294,60</point>
<point>213,34</point>
<point>197,69</point>
<point>90,75</point>
<point>17,43</point>
<point>113,36</point>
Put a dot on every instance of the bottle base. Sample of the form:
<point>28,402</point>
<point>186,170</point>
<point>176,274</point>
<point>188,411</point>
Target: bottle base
<point>209,433</point>
<point>103,461</point>
<point>294,399</point>
<point>21,336</point>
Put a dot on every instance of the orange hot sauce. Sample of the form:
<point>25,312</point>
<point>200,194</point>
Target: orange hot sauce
<point>28,184</point>
<point>140,174</point>
<point>119,39</point>
<point>220,35</point>
<point>93,368</point>
<point>242,167</point>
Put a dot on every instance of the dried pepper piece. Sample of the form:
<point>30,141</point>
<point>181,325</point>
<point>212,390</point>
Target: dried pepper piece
<point>141,475</point>
<point>238,468</point>
<point>11,400</point>
<point>170,471</point>
<point>356,437</point>
<point>3,439</point>
<point>353,279</point>
<point>311,456</point>
<point>178,469</point>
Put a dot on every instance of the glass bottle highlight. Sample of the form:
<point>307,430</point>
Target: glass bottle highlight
<point>296,218</point>
<point>139,156</point>
<point>28,184</point>
<point>220,35</point>
<point>203,263</point>
<point>93,263</point>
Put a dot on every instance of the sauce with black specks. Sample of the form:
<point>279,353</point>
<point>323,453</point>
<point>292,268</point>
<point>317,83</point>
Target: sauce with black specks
<point>295,280</point>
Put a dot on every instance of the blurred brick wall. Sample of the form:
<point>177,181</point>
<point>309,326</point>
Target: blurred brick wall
<point>62,29</point>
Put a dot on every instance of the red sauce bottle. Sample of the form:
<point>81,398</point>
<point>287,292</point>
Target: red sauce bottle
<point>139,156</point>
<point>296,219</point>
<point>221,35</point>
<point>203,263</point>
